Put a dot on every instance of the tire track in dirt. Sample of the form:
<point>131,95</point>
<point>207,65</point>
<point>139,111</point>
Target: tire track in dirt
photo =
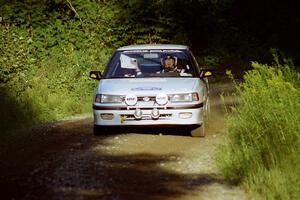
<point>65,161</point>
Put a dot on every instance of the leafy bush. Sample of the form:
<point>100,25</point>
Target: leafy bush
<point>263,133</point>
<point>47,51</point>
<point>48,48</point>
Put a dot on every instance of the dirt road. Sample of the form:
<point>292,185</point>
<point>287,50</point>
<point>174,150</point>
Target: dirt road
<point>65,161</point>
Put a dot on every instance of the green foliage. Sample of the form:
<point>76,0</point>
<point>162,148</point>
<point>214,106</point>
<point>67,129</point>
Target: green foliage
<point>46,53</point>
<point>263,132</point>
<point>48,47</point>
<point>143,22</point>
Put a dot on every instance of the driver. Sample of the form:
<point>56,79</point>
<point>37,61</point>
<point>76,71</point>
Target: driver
<point>169,64</point>
<point>173,64</point>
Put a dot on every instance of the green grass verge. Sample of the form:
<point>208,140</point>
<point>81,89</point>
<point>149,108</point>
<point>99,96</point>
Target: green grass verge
<point>263,133</point>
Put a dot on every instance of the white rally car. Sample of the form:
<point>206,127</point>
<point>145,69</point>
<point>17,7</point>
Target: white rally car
<point>135,90</point>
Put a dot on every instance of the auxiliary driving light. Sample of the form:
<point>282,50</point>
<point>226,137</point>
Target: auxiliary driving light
<point>131,99</point>
<point>161,99</point>
<point>185,115</point>
<point>107,116</point>
<point>138,114</point>
<point>155,113</point>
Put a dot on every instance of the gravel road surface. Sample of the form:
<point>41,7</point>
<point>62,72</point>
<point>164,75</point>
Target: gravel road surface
<point>63,160</point>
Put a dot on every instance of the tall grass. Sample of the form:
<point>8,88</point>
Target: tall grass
<point>263,133</point>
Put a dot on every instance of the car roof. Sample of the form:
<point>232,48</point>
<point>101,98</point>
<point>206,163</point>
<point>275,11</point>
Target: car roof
<point>153,47</point>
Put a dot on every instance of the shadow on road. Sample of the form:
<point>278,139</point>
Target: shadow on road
<point>131,177</point>
<point>65,161</point>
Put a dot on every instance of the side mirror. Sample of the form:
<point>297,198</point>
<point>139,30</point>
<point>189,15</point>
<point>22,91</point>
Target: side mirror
<point>205,73</point>
<point>94,74</point>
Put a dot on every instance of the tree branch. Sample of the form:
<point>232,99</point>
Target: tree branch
<point>71,6</point>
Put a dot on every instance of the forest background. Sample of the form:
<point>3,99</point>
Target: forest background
<point>48,46</point>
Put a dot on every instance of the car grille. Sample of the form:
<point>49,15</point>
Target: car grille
<point>144,107</point>
<point>129,117</point>
<point>146,98</point>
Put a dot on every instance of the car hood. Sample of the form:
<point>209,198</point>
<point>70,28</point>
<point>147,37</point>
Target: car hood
<point>147,85</point>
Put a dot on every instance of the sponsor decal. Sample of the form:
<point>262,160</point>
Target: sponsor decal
<point>145,88</point>
<point>152,51</point>
<point>131,99</point>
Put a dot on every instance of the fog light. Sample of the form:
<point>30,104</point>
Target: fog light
<point>155,114</point>
<point>131,99</point>
<point>161,99</point>
<point>185,115</point>
<point>138,114</point>
<point>106,116</point>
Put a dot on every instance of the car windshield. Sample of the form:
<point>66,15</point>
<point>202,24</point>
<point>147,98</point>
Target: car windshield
<point>151,63</point>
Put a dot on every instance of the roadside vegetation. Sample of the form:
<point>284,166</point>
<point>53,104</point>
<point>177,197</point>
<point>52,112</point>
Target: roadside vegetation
<point>48,46</point>
<point>263,133</point>
<point>46,57</point>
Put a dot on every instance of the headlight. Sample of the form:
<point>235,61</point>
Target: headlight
<point>103,98</point>
<point>187,97</point>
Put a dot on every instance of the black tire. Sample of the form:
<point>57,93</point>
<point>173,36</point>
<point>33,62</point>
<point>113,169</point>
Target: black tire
<point>198,132</point>
<point>97,130</point>
<point>106,130</point>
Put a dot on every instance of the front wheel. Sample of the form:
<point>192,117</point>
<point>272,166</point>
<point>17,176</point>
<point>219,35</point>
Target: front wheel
<point>106,130</point>
<point>103,130</point>
<point>97,130</point>
<point>198,132</point>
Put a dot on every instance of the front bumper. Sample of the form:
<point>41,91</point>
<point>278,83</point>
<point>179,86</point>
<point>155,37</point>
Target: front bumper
<point>168,115</point>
